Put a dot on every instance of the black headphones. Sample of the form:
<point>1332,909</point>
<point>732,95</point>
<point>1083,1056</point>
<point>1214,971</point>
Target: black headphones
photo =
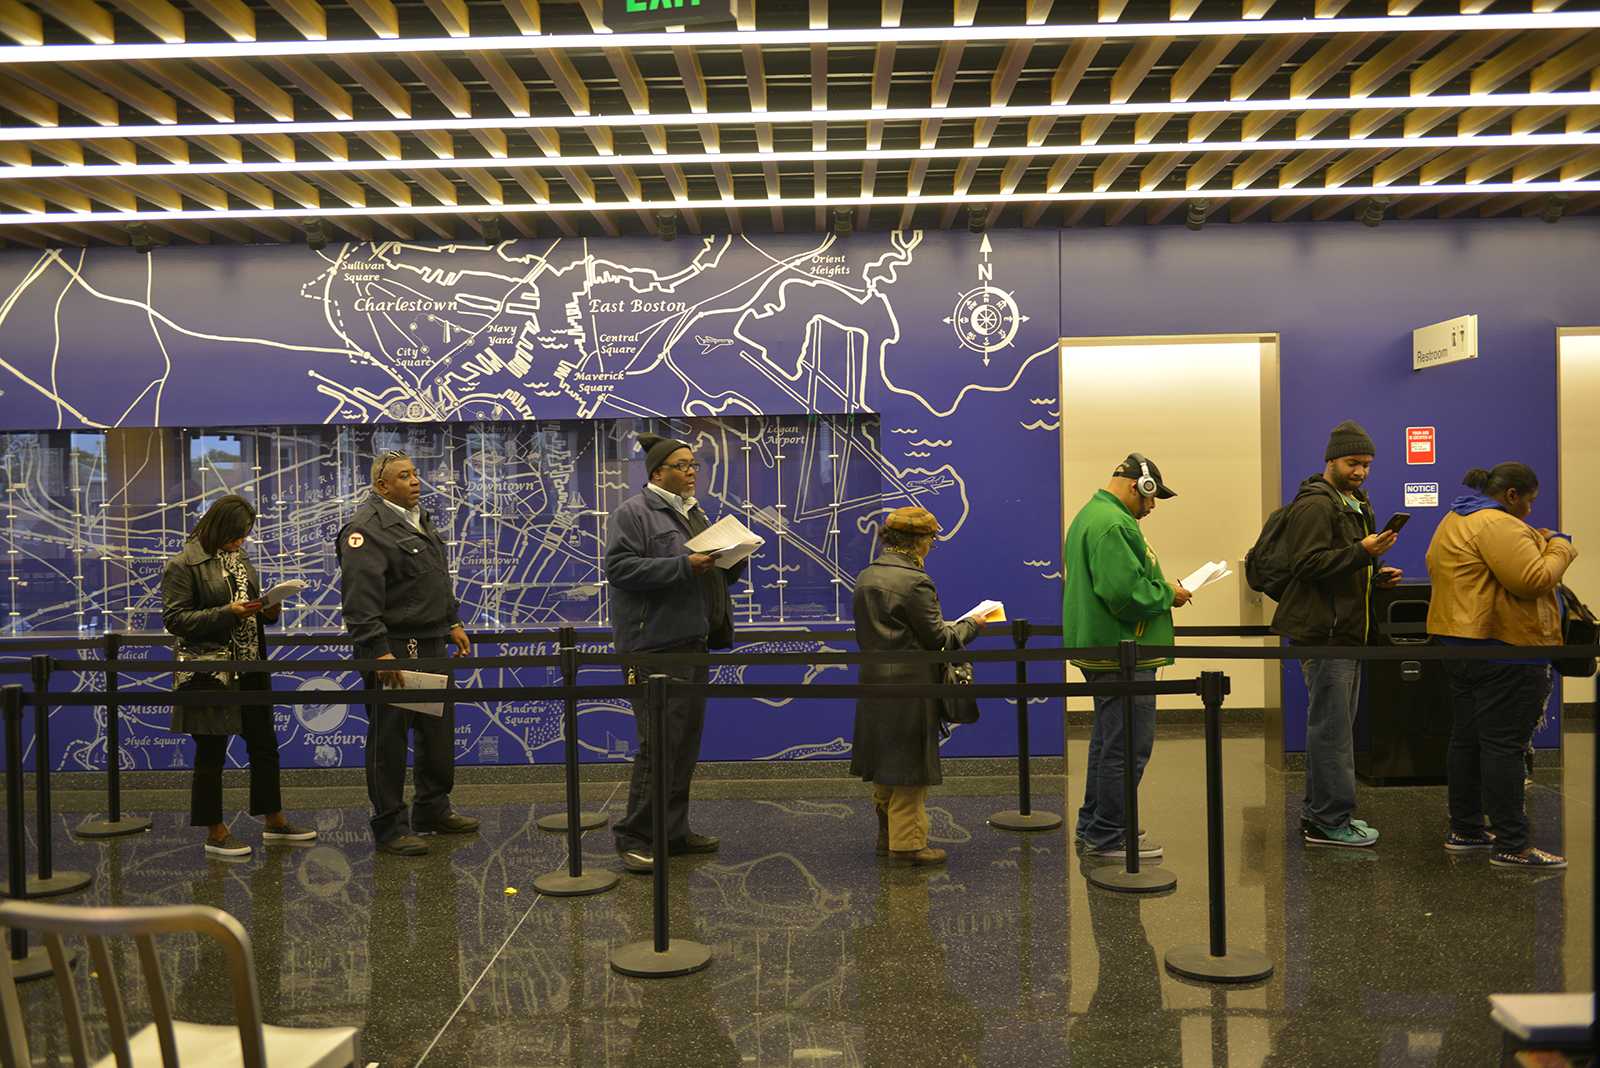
<point>1145,483</point>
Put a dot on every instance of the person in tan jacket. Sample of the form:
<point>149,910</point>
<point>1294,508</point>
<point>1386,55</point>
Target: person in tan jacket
<point>1495,580</point>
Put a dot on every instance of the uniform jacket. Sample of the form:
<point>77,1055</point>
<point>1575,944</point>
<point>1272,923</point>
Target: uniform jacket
<point>394,580</point>
<point>1114,589</point>
<point>657,601</point>
<point>896,740</point>
<point>1494,576</point>
<point>195,594</point>
<point>1329,599</point>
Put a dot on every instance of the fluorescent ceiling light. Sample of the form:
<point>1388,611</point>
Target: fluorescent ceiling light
<point>869,35</point>
<point>477,163</point>
<point>1581,98</point>
<point>987,199</point>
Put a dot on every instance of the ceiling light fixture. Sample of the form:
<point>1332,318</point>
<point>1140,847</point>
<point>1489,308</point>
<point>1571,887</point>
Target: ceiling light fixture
<point>489,227</point>
<point>843,222</point>
<point>139,237</point>
<point>1372,209</point>
<point>864,35</point>
<point>842,205</point>
<point>667,225</point>
<point>1199,211</point>
<point>1563,99</point>
<point>316,235</point>
<point>1555,205</point>
<point>977,218</point>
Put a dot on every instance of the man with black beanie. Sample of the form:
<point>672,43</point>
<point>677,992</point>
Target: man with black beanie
<point>1329,535</point>
<point>666,599</point>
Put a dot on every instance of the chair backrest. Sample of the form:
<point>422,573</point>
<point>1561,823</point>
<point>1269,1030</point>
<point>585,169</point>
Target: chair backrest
<point>94,926</point>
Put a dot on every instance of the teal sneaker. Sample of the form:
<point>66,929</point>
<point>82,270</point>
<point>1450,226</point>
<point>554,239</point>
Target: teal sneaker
<point>1363,824</point>
<point>1347,837</point>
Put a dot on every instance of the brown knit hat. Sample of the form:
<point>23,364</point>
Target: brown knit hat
<point>913,520</point>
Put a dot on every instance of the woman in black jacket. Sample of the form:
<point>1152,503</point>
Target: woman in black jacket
<point>211,601</point>
<point>896,741</point>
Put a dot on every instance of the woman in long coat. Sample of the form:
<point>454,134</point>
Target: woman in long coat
<point>896,742</point>
<point>211,601</point>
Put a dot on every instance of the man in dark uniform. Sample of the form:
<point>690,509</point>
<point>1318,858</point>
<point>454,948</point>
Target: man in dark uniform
<point>666,599</point>
<point>394,581</point>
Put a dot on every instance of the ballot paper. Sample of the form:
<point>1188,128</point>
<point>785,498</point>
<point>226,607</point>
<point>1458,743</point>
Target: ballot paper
<point>987,612</point>
<point>283,591</point>
<point>730,539</point>
<point>1205,575</point>
<point>421,680</point>
<point>1555,1018</point>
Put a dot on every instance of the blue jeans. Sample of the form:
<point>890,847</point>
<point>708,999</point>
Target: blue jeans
<point>1101,819</point>
<point>1335,690</point>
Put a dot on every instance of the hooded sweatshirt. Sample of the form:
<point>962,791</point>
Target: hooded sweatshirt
<point>1494,576</point>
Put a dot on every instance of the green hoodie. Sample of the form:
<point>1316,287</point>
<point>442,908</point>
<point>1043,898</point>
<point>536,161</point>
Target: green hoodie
<point>1114,587</point>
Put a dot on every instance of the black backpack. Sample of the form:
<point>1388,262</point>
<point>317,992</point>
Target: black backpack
<point>1267,566</point>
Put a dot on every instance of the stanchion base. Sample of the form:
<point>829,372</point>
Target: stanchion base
<point>36,965</point>
<point>1144,881</point>
<point>641,959</point>
<point>1013,820</point>
<point>112,828</point>
<point>62,882</point>
<point>587,821</point>
<point>1237,966</point>
<point>561,884</point>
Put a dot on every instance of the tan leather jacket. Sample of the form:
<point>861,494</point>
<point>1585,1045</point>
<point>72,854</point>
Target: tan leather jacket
<point>1495,577</point>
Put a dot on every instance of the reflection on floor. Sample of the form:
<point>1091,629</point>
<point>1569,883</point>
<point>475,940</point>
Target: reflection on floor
<point>825,957</point>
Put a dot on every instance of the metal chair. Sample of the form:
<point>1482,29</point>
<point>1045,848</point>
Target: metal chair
<point>166,1041</point>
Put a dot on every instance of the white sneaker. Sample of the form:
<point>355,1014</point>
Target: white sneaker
<point>1148,850</point>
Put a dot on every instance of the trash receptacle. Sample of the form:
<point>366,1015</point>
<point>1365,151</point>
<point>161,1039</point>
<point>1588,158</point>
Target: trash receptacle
<point>1403,729</point>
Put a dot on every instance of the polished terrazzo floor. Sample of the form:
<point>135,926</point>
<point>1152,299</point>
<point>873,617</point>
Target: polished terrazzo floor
<point>825,957</point>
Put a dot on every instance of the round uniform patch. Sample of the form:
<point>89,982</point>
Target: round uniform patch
<point>355,540</point>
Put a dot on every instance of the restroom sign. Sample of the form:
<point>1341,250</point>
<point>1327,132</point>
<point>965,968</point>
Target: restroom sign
<point>1420,445</point>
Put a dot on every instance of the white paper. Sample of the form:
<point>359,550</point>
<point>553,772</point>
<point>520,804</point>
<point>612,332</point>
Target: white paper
<point>987,612</point>
<point>730,539</point>
<point>1544,1017</point>
<point>422,680</point>
<point>1205,575</point>
<point>283,591</point>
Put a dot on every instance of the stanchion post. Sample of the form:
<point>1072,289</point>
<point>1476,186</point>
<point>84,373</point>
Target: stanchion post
<point>1023,818</point>
<point>574,881</point>
<point>567,646</point>
<point>24,963</point>
<point>47,882</point>
<point>660,957</point>
<point>1131,878</point>
<point>114,824</point>
<point>1214,962</point>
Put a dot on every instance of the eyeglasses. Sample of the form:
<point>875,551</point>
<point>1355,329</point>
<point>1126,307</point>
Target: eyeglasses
<point>688,467</point>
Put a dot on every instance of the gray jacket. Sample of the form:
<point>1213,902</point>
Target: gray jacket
<point>896,741</point>
<point>657,601</point>
<point>195,594</point>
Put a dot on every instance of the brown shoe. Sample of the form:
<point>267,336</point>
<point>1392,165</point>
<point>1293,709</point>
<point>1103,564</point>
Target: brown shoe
<point>883,832</point>
<point>916,858</point>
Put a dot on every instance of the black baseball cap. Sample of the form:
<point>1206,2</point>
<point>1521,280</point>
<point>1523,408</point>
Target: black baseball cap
<point>1130,469</point>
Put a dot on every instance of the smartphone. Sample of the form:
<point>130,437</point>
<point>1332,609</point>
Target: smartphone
<point>1396,521</point>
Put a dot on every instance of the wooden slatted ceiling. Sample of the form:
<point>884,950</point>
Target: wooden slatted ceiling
<point>103,96</point>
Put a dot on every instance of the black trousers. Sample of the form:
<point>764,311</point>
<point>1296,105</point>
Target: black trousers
<point>675,756</point>
<point>433,744</point>
<point>211,755</point>
<point>1494,708</point>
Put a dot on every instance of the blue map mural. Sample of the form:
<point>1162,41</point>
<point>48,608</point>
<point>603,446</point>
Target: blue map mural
<point>825,381</point>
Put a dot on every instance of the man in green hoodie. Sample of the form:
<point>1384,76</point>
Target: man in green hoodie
<point>1115,592</point>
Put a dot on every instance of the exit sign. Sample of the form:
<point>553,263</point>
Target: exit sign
<point>627,16</point>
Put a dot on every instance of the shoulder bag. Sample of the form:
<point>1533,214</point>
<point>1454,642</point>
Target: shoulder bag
<point>1577,628</point>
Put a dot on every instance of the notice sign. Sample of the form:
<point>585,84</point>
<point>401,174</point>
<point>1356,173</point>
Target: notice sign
<point>1422,494</point>
<point>1420,445</point>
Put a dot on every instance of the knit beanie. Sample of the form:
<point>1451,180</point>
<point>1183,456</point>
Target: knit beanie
<point>656,449</point>
<point>1349,439</point>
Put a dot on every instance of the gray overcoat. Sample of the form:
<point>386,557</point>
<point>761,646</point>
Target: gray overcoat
<point>195,594</point>
<point>896,741</point>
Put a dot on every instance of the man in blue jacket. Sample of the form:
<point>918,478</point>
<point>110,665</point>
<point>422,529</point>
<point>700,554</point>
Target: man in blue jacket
<point>666,599</point>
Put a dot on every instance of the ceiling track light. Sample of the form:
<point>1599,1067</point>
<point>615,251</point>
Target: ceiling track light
<point>1199,211</point>
<point>843,222</point>
<point>1372,210</point>
<point>667,225</point>
<point>489,227</point>
<point>1555,206</point>
<point>856,36</point>
<point>977,218</point>
<point>316,235</point>
<point>139,237</point>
